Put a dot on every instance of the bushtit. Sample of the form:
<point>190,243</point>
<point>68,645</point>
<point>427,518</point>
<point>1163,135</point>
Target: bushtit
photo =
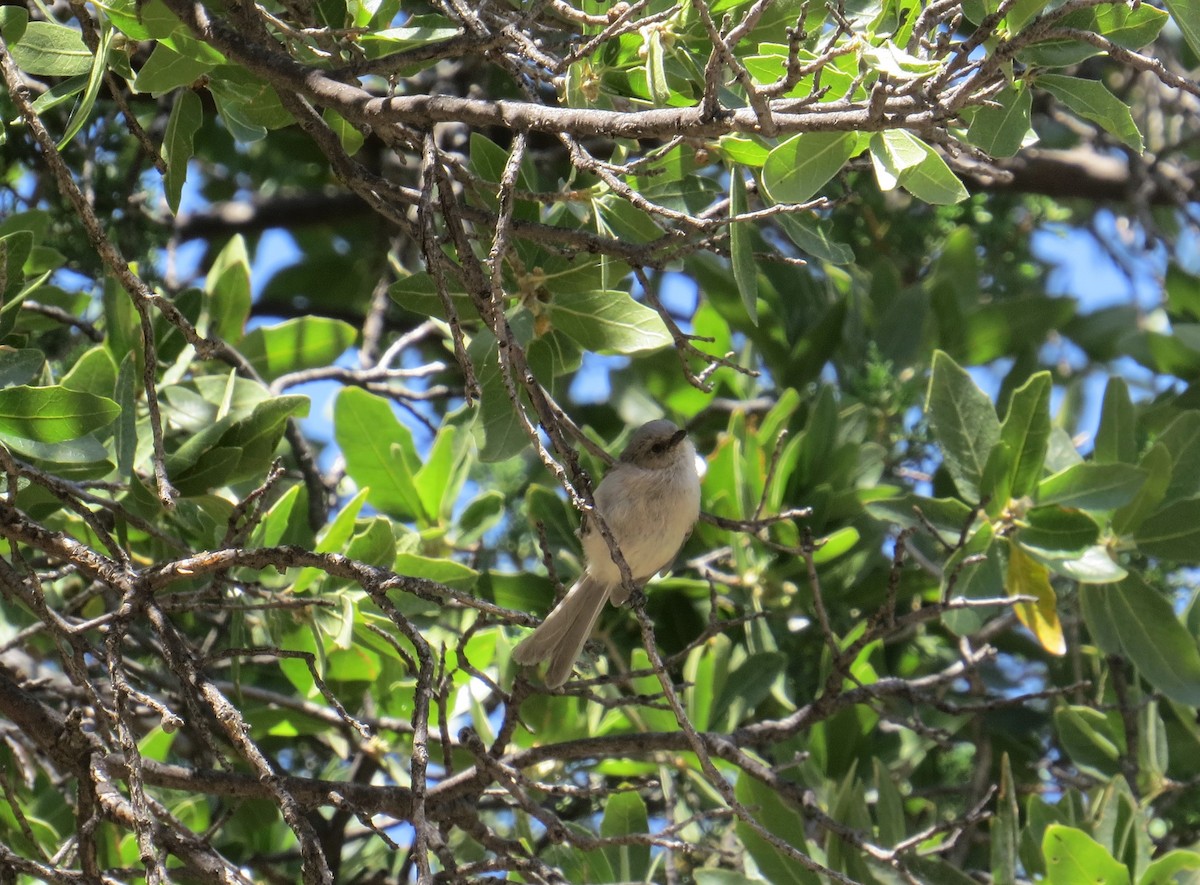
<point>649,500</point>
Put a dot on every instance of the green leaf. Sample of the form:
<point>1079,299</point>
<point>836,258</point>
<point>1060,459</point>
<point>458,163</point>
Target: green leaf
<point>1163,870</point>
<point>167,69</point>
<point>375,544</point>
<point>1157,464</point>
<point>813,238</point>
<point>894,152</point>
<point>301,343</point>
<point>625,815</point>
<point>126,429</point>
<point>258,434</point>
<point>418,30</point>
<point>94,372</point>
<point>439,479</point>
<point>1090,740</point>
<point>1172,533</point>
<point>744,151</point>
<point>1000,131</point>
<point>15,249</point>
<point>499,430</point>
<point>213,468</point>
<point>19,366</point>
<point>13,22</point>
<point>1115,439</point>
<point>1182,440</point>
<point>229,295</point>
<point>948,515</point>
<point>779,819</point>
<point>1133,619</point>
<point>964,423</point>
<point>932,180</point>
<point>479,516</point>
<point>1183,292</point>
<point>1094,565</point>
<point>1075,858</point>
<point>379,452</point>
<point>247,106</point>
<point>608,322</point>
<point>187,114</point>
<point>52,50</point>
<point>799,167</point>
<point>656,72</point>
<point>53,414</point>
<point>887,58</point>
<point>141,19</point>
<point>741,246</point>
<point>1092,486</point>
<point>1026,430</point>
<point>745,688</point>
<point>1186,14</point>
<point>418,292</point>
<point>444,571</point>
<point>83,110</point>
<point>1055,529</point>
<point>348,134</point>
<point>1005,830</point>
<point>1092,101</point>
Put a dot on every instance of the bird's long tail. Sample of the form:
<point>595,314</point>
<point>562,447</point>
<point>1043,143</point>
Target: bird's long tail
<point>561,636</point>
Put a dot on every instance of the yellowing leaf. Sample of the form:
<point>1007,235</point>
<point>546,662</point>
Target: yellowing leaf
<point>1028,577</point>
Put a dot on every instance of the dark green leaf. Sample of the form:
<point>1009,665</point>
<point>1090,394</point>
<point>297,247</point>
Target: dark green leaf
<point>814,239</point>
<point>1005,826</point>
<point>1157,464</point>
<point>19,366</point>
<point>1186,14</point>
<point>187,114</point>
<point>1133,619</point>
<point>1092,486</point>
<point>1115,439</point>
<point>1090,739</point>
<point>167,69</point>
<point>1026,430</point>
<point>83,110</point>
<point>1172,533</point>
<point>964,423</point>
<point>741,246</point>
<point>745,688</point>
<point>1053,529</point>
<point>15,248</point>
<point>779,819</point>
<point>94,372</point>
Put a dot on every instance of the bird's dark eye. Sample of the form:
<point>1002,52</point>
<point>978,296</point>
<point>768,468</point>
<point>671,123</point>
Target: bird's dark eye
<point>658,448</point>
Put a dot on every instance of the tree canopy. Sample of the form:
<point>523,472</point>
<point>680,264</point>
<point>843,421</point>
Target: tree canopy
<point>321,320</point>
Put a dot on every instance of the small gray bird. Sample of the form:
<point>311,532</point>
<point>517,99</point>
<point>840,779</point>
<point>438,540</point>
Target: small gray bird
<point>649,499</point>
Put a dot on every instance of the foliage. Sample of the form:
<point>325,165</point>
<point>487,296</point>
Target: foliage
<point>273,532</point>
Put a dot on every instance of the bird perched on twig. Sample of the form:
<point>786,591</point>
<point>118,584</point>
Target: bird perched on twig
<point>649,500</point>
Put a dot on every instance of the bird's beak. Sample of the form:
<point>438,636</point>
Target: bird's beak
<point>677,437</point>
